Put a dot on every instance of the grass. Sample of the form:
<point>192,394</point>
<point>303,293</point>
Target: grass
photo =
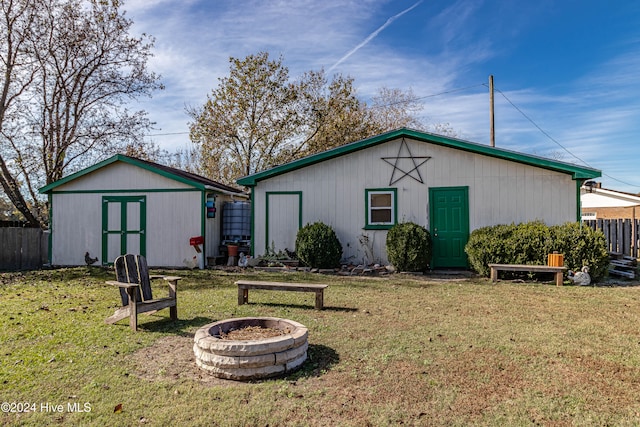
<point>398,350</point>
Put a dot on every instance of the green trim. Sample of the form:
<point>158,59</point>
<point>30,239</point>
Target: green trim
<point>394,206</point>
<point>203,225</point>
<point>266,216</point>
<point>123,231</point>
<point>124,159</point>
<point>578,200</point>
<point>138,190</point>
<point>50,237</point>
<point>577,172</point>
<point>252,243</point>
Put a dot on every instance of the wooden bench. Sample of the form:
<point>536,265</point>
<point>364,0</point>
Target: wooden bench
<point>245,285</point>
<point>558,271</point>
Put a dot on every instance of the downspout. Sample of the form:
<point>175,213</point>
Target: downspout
<point>203,229</point>
<point>634,231</point>
<point>253,220</point>
<point>579,183</point>
<point>50,237</point>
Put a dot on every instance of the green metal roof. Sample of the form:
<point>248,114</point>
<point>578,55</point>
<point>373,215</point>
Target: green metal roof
<point>577,172</point>
<point>179,175</point>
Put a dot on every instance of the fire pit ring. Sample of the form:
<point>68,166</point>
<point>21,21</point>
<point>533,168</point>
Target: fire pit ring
<point>251,359</point>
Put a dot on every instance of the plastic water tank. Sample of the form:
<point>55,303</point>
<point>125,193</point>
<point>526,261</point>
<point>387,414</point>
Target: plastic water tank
<point>236,221</point>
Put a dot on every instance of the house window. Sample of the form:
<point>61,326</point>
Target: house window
<point>381,210</point>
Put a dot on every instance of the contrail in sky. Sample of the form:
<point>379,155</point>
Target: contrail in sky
<point>372,36</point>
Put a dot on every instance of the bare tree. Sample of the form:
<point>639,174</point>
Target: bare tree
<point>76,70</point>
<point>394,108</point>
<point>18,17</point>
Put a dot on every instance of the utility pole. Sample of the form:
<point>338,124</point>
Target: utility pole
<point>491,120</point>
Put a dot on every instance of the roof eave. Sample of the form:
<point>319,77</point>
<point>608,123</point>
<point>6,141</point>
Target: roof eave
<point>140,164</point>
<point>577,172</point>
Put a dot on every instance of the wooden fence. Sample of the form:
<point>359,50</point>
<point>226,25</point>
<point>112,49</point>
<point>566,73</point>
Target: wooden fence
<point>622,235</point>
<point>23,248</point>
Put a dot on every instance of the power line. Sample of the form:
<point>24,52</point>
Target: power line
<point>419,98</point>
<point>447,92</point>
<point>557,143</point>
<point>167,134</point>
<point>539,128</point>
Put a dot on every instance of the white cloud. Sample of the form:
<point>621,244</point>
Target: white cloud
<point>194,40</point>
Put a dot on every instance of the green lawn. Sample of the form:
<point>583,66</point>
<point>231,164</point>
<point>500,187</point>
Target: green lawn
<point>398,350</point>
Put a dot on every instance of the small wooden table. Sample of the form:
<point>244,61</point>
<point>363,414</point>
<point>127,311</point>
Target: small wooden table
<point>558,271</point>
<point>245,285</point>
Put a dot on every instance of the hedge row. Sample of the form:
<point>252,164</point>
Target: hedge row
<point>531,242</point>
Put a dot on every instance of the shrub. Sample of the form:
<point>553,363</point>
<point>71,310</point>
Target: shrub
<point>490,245</point>
<point>318,246</point>
<point>530,243</point>
<point>409,247</point>
<point>582,246</point>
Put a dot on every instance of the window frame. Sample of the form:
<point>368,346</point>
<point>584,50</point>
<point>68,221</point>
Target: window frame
<point>369,224</point>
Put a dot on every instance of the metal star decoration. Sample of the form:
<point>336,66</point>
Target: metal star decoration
<point>404,161</point>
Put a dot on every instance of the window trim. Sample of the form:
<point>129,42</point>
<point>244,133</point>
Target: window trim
<point>367,211</point>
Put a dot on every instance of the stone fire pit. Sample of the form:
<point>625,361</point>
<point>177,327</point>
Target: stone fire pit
<point>254,358</point>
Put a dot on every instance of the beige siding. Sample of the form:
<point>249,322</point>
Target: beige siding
<point>171,220</point>
<point>121,176</point>
<point>283,220</point>
<point>500,191</point>
<point>76,228</point>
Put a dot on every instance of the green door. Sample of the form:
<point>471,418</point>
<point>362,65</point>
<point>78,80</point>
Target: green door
<point>449,219</point>
<point>123,226</point>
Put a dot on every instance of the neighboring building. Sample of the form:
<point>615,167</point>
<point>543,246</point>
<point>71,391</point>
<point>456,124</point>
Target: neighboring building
<point>613,212</point>
<point>601,203</point>
<point>450,186</point>
<point>127,205</point>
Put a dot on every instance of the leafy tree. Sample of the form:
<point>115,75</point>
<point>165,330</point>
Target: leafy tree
<point>247,120</point>
<point>149,151</point>
<point>333,114</point>
<point>71,67</point>
<point>8,212</point>
<point>258,117</point>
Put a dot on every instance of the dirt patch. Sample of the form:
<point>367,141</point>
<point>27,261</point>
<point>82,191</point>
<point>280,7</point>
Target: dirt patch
<point>172,358</point>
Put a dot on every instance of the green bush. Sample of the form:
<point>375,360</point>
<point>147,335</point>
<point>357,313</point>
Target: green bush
<point>318,246</point>
<point>409,247</point>
<point>490,245</point>
<point>531,242</point>
<point>581,246</point>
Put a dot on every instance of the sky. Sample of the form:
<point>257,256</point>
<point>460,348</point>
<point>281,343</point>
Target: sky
<point>566,72</point>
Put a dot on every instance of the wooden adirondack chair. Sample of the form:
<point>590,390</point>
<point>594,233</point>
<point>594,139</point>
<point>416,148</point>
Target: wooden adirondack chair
<point>134,282</point>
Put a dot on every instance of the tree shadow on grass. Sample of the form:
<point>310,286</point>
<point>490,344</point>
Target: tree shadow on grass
<point>180,327</point>
<point>320,359</point>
